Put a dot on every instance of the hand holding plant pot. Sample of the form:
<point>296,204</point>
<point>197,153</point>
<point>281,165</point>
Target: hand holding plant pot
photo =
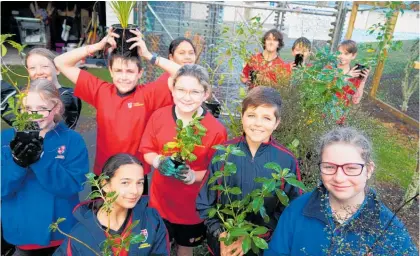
<point>25,154</point>
<point>185,174</point>
<point>109,39</point>
<point>123,10</point>
<point>165,165</point>
<point>139,43</point>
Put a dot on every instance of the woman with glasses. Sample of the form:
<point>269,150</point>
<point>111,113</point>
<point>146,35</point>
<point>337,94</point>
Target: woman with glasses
<point>41,177</point>
<point>174,195</point>
<point>343,216</point>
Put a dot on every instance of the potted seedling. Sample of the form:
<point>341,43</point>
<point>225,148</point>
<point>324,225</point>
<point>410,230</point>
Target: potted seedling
<point>123,10</point>
<point>234,211</point>
<point>186,140</point>
<point>26,129</point>
<point>104,202</point>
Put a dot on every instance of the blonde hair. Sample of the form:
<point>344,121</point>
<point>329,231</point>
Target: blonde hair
<point>48,92</point>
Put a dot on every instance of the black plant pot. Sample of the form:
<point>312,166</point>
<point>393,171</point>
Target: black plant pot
<point>177,162</point>
<point>26,136</point>
<point>122,45</point>
<point>214,107</point>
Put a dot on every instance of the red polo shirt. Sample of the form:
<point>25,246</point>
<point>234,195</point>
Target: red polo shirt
<point>121,119</point>
<point>174,200</point>
<point>274,70</point>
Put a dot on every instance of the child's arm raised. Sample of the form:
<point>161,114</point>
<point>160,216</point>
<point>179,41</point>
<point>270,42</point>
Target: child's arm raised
<point>167,65</point>
<point>66,62</point>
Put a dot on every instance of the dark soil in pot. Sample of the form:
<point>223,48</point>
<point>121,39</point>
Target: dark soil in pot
<point>122,45</point>
<point>177,162</point>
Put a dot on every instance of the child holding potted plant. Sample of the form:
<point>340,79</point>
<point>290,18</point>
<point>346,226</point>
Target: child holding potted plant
<point>42,172</point>
<point>125,177</point>
<point>123,107</point>
<point>174,189</point>
<point>40,65</point>
<point>260,117</point>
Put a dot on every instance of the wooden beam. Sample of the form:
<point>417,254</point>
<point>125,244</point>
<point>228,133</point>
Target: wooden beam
<point>352,20</point>
<point>390,26</point>
<point>397,113</point>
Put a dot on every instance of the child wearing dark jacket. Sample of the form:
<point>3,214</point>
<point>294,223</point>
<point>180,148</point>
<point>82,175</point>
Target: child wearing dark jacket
<point>260,117</point>
<point>126,178</point>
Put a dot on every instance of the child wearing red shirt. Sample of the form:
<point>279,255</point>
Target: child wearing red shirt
<point>123,107</point>
<point>174,196</point>
<point>267,68</point>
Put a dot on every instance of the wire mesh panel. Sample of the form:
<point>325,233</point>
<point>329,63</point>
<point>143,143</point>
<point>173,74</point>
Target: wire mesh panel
<point>206,24</point>
<point>398,86</point>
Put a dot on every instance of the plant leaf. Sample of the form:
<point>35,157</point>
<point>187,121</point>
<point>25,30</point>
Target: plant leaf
<point>296,183</point>
<point>238,232</point>
<point>235,191</point>
<point>260,243</point>
<point>273,166</point>
<point>284,199</point>
<point>261,230</point>
<point>246,244</point>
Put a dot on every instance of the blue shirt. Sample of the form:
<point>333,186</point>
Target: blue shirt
<point>35,197</point>
<point>307,227</point>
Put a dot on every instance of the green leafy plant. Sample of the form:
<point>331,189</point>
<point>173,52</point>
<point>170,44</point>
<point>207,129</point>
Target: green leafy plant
<point>115,241</point>
<point>22,121</point>
<point>187,138</point>
<point>123,10</point>
<point>233,214</point>
<point>319,84</point>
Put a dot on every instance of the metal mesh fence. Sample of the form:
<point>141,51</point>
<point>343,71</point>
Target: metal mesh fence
<point>396,74</point>
<point>204,22</point>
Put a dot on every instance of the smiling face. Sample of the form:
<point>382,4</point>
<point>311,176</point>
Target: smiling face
<point>41,67</point>
<point>125,74</point>
<point>46,108</point>
<point>259,123</point>
<point>128,183</point>
<point>183,54</point>
<point>348,190</point>
<point>188,94</point>
<point>345,57</point>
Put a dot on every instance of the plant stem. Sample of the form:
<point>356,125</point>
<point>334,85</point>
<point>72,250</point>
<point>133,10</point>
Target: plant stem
<point>77,240</point>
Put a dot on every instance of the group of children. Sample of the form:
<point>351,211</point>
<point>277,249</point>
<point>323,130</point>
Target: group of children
<point>41,178</point>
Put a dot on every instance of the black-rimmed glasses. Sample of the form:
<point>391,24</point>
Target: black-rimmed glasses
<point>42,112</point>
<point>349,169</point>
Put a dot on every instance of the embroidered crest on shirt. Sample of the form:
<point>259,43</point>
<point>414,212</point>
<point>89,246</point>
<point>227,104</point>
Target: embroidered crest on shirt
<point>134,104</point>
<point>145,235</point>
<point>60,151</point>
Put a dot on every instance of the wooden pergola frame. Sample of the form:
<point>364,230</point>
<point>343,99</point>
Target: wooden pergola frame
<point>390,24</point>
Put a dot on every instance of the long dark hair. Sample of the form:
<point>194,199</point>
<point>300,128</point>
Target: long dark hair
<point>277,35</point>
<point>176,42</point>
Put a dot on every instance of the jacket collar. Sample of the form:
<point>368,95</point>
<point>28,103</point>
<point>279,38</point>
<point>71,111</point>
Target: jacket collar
<point>318,206</point>
<point>260,149</point>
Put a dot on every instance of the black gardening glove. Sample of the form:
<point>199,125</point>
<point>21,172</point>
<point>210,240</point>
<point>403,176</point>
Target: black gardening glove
<point>25,155</point>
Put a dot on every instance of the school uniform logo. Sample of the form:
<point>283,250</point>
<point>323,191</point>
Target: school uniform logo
<point>60,151</point>
<point>144,235</point>
<point>135,104</point>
